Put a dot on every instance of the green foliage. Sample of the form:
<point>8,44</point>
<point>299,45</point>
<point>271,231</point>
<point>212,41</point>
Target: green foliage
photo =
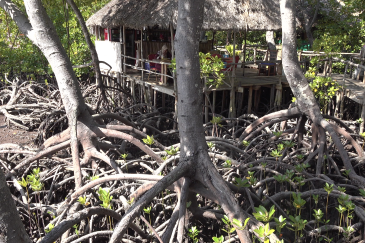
<point>147,210</point>
<point>264,232</point>
<point>227,164</point>
<point>19,55</point>
<point>324,89</point>
<point>193,234</point>
<point>210,144</point>
<point>82,201</point>
<point>238,224</point>
<point>275,153</point>
<point>216,120</point>
<point>105,197</point>
<point>280,223</point>
<point>218,240</point>
<point>149,140</point>
<point>33,180</point>
<point>280,178</point>
<point>328,188</point>
<point>245,143</point>
<point>241,183</point>
<point>172,151</point>
<point>318,214</point>
<point>50,227</point>
<point>210,68</point>
<point>362,192</point>
<point>229,49</point>
<point>262,214</point>
<point>76,229</point>
<point>288,144</point>
<point>298,202</point>
<point>297,223</point>
<point>124,156</point>
<point>278,134</point>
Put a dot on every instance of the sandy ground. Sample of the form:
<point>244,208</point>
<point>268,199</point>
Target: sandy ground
<point>17,136</point>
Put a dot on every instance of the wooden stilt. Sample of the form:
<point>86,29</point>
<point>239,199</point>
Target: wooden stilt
<point>279,96</point>
<point>214,100</point>
<point>257,97</point>
<point>119,85</point>
<point>362,117</point>
<point>155,98</point>
<point>206,107</point>
<point>223,101</point>
<point>240,102</point>
<point>272,96</point>
<point>342,103</point>
<point>249,106</point>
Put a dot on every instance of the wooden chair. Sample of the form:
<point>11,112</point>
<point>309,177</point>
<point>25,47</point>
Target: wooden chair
<point>267,67</point>
<point>153,66</point>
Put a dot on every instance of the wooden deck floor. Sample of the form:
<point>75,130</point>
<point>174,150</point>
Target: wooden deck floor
<point>355,89</point>
<point>250,78</point>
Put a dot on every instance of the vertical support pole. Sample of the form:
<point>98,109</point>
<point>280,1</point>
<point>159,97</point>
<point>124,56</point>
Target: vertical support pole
<point>172,40</point>
<point>124,51</point>
<point>119,85</point>
<point>214,100</point>
<point>249,106</point>
<point>272,96</point>
<point>142,62</point>
<point>244,54</point>
<point>362,117</point>
<point>254,54</point>
<point>232,98</point>
<point>206,106</point>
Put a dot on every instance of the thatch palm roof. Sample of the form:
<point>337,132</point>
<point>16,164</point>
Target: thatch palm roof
<point>218,15</point>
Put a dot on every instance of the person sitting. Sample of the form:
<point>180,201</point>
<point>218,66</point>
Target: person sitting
<point>165,53</point>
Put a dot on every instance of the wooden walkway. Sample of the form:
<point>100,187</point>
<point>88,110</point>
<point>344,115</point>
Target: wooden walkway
<point>354,89</point>
<point>236,82</point>
<point>251,78</point>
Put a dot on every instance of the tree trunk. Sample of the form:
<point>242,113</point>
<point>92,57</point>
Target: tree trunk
<point>305,99</point>
<point>90,44</point>
<point>11,228</point>
<point>270,40</point>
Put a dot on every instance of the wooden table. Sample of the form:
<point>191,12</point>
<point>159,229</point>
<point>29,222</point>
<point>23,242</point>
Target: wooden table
<point>164,64</point>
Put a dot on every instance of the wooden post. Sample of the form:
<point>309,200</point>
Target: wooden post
<point>342,103</point>
<point>362,117</point>
<point>142,62</point>
<point>214,100</point>
<point>206,106</point>
<point>232,98</point>
<point>172,40</point>
<point>272,96</point>
<point>244,54</point>
<point>119,85</point>
<point>240,101</point>
<point>325,69</point>
<point>254,54</point>
<point>249,106</point>
<point>257,96</point>
<point>124,51</point>
<point>155,98</point>
<point>279,93</point>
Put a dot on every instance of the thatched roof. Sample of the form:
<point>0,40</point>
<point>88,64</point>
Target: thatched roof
<point>219,14</point>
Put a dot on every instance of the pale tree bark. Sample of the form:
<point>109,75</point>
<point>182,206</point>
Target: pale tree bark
<point>309,15</point>
<point>299,85</point>
<point>194,161</point>
<point>270,40</point>
<point>11,227</point>
<point>90,44</point>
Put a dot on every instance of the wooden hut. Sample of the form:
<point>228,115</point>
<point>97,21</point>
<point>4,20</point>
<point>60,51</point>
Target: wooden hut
<point>133,27</point>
